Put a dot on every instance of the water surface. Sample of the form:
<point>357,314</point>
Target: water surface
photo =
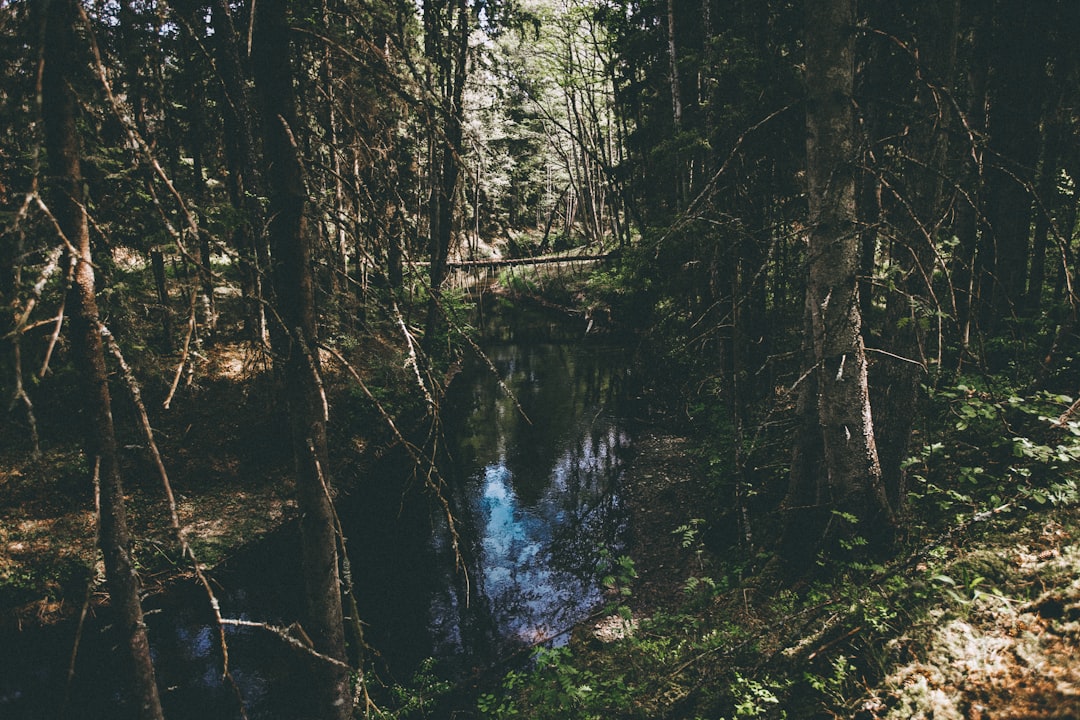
<point>531,454</point>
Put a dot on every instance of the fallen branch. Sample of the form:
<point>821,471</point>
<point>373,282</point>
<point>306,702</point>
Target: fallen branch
<point>174,517</point>
<point>289,639</point>
<point>183,355</point>
<point>1060,422</point>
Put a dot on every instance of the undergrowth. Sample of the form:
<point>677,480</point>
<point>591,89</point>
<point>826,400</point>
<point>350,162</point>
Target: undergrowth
<point>991,535</point>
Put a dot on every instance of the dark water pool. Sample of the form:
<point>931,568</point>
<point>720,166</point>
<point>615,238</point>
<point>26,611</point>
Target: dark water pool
<point>532,476</point>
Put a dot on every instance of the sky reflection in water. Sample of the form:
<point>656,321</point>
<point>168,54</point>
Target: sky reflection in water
<point>537,499</point>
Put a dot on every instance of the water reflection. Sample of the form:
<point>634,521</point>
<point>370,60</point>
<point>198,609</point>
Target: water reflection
<point>535,489</point>
<point>533,484</point>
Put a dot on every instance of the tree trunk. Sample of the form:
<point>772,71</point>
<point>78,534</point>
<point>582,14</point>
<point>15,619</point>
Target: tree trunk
<point>157,267</point>
<point>1018,64</point>
<point>970,264</point>
<point>852,471</point>
<point>1049,202</point>
<point>192,39</point>
<point>61,139</point>
<point>296,347</point>
<point>920,186</point>
<point>238,143</point>
<point>673,70</point>
<point>805,511</point>
<point>449,55</point>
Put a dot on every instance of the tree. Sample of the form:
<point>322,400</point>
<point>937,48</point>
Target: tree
<point>62,144</point>
<point>912,188</point>
<point>1018,60</point>
<point>850,480</point>
<point>447,26</point>
<point>239,146</point>
<point>295,340</point>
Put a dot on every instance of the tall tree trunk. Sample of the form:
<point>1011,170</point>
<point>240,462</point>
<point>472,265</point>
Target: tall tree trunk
<point>296,346</point>
<point>852,471</point>
<point>673,70</point>
<point>1049,201</point>
<point>239,144</point>
<point>449,55</point>
<point>1018,66</point>
<point>920,186</point>
<point>970,265</point>
<point>681,188</point>
<point>191,42</point>
<point>62,143</point>
<point>157,268</point>
<point>805,510</point>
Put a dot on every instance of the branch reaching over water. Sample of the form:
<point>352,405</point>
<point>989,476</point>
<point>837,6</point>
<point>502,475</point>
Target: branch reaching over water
<point>174,517</point>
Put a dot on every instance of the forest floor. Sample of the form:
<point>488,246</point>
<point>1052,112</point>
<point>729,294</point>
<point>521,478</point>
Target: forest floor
<point>986,623</point>
<point>228,466</point>
<point>980,623</point>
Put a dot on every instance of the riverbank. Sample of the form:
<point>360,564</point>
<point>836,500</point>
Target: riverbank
<point>981,621</point>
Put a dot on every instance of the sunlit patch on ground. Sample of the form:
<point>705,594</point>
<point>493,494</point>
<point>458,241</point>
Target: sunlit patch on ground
<point>1013,655</point>
<point>237,361</point>
<point>614,627</point>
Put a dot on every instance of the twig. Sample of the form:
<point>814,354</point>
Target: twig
<point>55,337</point>
<point>417,457</point>
<point>413,361</point>
<point>687,214</point>
<point>487,361</point>
<point>897,357</point>
<point>56,224</point>
<point>835,641</point>
<point>21,394</point>
<point>1067,414</point>
<point>35,294</point>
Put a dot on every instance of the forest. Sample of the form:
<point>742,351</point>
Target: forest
<point>539,359</point>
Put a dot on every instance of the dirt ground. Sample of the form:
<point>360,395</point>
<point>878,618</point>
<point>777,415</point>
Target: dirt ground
<point>227,462</point>
<point>1004,643</point>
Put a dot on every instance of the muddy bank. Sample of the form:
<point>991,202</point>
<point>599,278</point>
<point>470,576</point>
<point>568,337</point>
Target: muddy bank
<point>661,489</point>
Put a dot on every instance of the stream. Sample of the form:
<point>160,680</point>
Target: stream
<point>533,452</point>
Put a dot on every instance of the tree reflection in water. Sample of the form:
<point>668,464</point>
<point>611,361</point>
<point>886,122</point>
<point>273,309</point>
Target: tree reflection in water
<point>536,497</point>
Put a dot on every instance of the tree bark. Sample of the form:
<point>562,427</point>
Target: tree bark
<point>852,471</point>
<point>969,265</point>
<point>673,69</point>
<point>1018,60</point>
<point>448,55</point>
<point>920,187</point>
<point>1049,201</point>
<point>295,342</point>
<point>239,146</point>
<point>62,143</point>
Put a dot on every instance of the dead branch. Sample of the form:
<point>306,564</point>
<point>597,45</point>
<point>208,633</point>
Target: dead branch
<point>183,355</point>
<point>55,337</point>
<point>53,262</point>
<point>415,453</point>
<point>289,639</point>
<point>1060,422</point>
<point>174,518</point>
